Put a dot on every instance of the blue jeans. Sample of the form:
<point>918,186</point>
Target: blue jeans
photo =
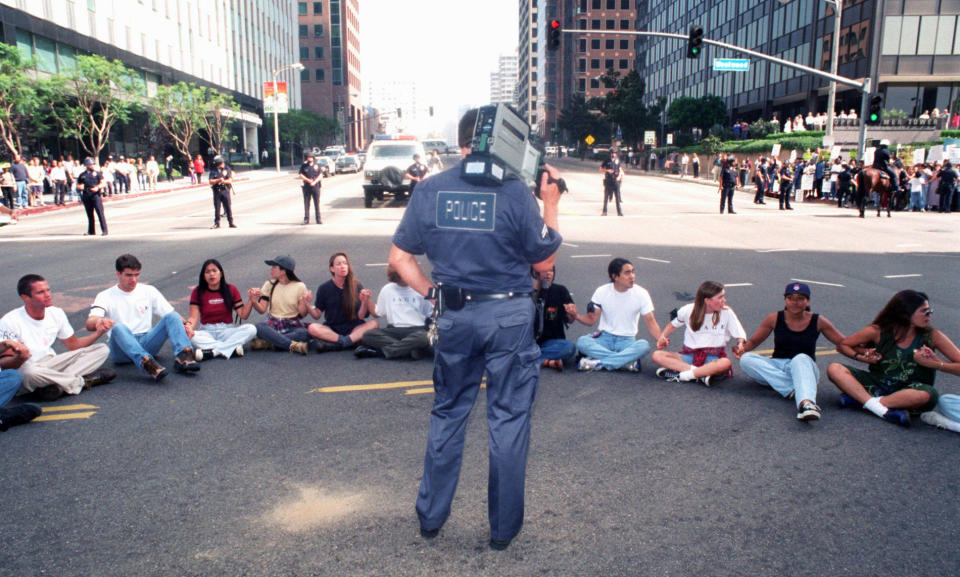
<point>21,197</point>
<point>558,349</point>
<point>612,351</point>
<point>280,340</point>
<point>798,375</point>
<point>126,347</point>
<point>948,405</point>
<point>916,200</point>
<point>9,385</point>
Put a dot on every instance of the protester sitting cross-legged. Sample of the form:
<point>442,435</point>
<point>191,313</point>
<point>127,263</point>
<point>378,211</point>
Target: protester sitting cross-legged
<point>792,371</point>
<point>344,304</point>
<point>285,300</point>
<point>213,303</point>
<point>37,324</point>
<point>618,305</point>
<point>555,311</point>
<point>127,310</point>
<point>406,312</point>
<point>710,323</point>
<point>10,381</point>
<point>899,380</point>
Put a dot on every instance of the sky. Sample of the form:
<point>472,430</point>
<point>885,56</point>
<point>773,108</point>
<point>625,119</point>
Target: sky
<point>449,47</point>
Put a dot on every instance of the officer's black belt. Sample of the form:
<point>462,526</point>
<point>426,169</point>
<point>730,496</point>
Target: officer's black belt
<point>455,298</point>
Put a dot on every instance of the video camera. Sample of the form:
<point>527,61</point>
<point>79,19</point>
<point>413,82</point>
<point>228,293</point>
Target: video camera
<point>502,147</point>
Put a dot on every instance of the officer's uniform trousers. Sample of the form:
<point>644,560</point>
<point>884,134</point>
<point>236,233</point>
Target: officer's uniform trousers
<point>496,338</point>
<point>92,203</point>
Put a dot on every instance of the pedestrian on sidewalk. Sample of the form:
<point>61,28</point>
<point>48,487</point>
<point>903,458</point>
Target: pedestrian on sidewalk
<point>695,161</point>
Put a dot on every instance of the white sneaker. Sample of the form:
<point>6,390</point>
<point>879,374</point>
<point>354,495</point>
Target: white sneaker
<point>633,367</point>
<point>198,354</point>
<point>588,364</point>
<point>935,419</point>
<point>238,352</point>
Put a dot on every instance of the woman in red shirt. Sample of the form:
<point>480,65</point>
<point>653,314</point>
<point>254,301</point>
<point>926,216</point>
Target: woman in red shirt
<point>213,303</point>
<point>198,168</point>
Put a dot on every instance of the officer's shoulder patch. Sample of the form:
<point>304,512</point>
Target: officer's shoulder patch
<point>466,210</point>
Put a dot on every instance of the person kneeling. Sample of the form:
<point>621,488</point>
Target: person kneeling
<point>710,324</point>
<point>406,312</point>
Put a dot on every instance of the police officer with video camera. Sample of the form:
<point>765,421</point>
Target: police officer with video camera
<point>480,240</point>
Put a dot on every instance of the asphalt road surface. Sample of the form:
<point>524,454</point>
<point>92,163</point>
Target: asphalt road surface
<point>281,465</point>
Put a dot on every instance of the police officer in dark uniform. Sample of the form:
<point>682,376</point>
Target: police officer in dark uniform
<point>612,177</point>
<point>728,182</point>
<point>481,241</point>
<point>310,176</point>
<point>221,182</point>
<point>416,173</point>
<point>881,158</point>
<point>947,187</point>
<point>90,185</point>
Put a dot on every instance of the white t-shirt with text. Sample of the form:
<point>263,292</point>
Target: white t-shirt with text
<point>402,306</point>
<point>39,336</point>
<point>710,335</point>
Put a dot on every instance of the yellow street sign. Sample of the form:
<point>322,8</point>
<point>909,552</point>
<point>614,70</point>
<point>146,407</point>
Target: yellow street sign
<point>589,140</point>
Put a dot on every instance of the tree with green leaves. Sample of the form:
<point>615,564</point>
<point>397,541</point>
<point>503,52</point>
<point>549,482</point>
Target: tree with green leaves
<point>179,110</point>
<point>306,128</point>
<point>579,120</point>
<point>19,100</point>
<point>90,99</point>
<point>687,112</point>
<point>220,110</point>
<point>625,108</point>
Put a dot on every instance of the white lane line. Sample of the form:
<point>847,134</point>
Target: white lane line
<point>780,250</point>
<point>652,259</point>
<point>570,244</point>
<point>588,255</point>
<point>909,244</point>
<point>817,282</point>
<point>376,264</point>
<point>728,285</point>
<point>902,275</point>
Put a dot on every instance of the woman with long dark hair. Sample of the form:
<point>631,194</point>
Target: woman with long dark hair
<point>285,300</point>
<point>709,325</point>
<point>899,380</point>
<point>344,304</point>
<point>213,304</point>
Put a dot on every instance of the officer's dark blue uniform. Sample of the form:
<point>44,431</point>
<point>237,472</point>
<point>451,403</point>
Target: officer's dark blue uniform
<point>881,157</point>
<point>481,242</point>
<point>220,182</point>
<point>90,183</point>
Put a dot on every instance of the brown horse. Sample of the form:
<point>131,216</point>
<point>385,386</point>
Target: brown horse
<point>870,180</point>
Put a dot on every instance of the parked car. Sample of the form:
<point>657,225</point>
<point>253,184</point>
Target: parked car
<point>348,163</point>
<point>326,165</point>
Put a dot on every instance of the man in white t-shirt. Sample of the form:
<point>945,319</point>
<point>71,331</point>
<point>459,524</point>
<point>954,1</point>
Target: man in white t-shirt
<point>127,311</point>
<point>406,312</point>
<point>618,305</point>
<point>37,324</point>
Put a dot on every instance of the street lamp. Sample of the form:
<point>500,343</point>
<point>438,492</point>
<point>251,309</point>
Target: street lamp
<point>834,57</point>
<point>276,109</point>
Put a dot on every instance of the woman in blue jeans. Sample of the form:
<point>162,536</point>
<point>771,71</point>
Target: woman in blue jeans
<point>792,371</point>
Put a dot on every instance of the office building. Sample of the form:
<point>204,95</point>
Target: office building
<point>503,81</point>
<point>330,83</point>
<point>527,61</point>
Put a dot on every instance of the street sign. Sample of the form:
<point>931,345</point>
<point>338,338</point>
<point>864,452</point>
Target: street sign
<point>650,137</point>
<point>731,64</point>
<point>278,103</point>
<point>589,140</point>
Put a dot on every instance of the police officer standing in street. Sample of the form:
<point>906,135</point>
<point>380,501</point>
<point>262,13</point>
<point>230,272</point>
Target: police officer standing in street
<point>221,182</point>
<point>612,177</point>
<point>481,241</point>
<point>90,185</point>
<point>311,175</point>
<point>416,172</point>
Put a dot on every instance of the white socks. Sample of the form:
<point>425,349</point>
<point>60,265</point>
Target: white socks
<point>874,406</point>
<point>687,375</point>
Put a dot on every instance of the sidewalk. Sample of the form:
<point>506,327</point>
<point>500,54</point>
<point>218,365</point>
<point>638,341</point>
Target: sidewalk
<point>178,185</point>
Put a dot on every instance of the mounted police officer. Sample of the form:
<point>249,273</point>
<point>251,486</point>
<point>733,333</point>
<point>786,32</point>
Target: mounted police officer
<point>221,182</point>
<point>90,184</point>
<point>881,158</point>
<point>481,241</point>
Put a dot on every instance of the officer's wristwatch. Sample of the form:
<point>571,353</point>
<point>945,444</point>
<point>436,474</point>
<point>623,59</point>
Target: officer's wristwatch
<point>432,293</point>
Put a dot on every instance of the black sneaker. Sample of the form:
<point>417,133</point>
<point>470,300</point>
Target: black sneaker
<point>668,374</point>
<point>99,377</point>
<point>365,352</point>
<point>18,415</point>
<point>429,533</point>
<point>185,361</point>
<point>897,417</point>
<point>808,411</point>
<point>499,545</point>
<point>48,393</point>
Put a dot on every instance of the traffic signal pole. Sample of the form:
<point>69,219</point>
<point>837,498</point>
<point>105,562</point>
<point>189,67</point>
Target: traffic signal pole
<point>863,87</point>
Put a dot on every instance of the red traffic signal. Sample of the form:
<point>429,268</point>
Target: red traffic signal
<point>553,35</point>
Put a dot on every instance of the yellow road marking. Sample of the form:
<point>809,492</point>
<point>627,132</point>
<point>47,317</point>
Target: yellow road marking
<point>65,416</point>
<point>374,387</point>
<point>68,408</point>
<point>420,391</point>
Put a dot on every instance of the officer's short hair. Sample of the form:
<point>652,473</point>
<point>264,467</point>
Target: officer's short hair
<point>25,284</point>
<point>392,274</point>
<point>127,261</point>
<point>467,124</point>
<point>616,267</point>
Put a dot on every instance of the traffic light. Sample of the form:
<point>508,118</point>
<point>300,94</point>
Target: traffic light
<point>399,113</point>
<point>875,113</point>
<point>553,36</point>
<point>695,42</point>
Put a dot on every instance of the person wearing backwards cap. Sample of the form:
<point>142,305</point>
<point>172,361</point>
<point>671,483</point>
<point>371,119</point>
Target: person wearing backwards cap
<point>792,371</point>
<point>282,298</point>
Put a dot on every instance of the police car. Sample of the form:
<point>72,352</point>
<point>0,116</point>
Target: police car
<point>388,158</point>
